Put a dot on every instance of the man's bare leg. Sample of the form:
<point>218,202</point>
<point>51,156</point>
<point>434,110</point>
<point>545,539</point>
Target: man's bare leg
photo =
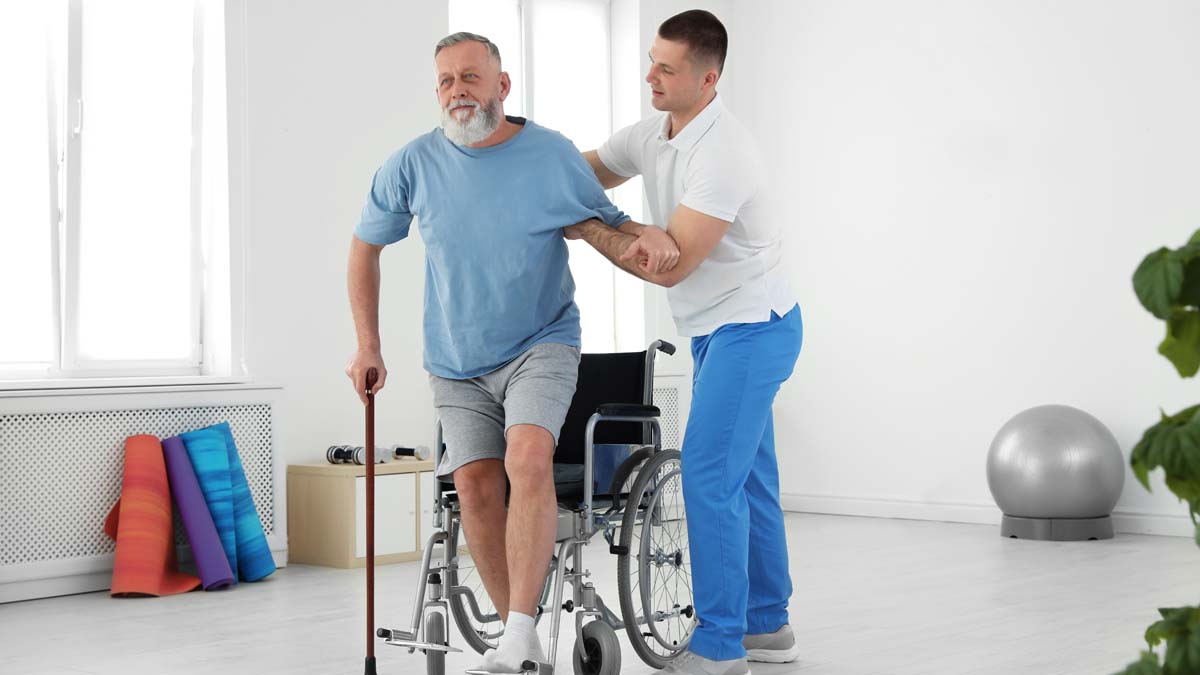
<point>481,487</point>
<point>533,513</point>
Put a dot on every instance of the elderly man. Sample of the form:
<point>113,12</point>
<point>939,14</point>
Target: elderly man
<point>491,194</point>
<point>705,183</point>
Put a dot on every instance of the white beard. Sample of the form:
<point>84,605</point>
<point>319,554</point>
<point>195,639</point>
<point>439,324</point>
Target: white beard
<point>481,124</point>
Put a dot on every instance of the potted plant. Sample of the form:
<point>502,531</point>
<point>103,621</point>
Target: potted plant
<point>1167,283</point>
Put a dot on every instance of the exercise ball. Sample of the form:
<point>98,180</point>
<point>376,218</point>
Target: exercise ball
<point>1056,472</point>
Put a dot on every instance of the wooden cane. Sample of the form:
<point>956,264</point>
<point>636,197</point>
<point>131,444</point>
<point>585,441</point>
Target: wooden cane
<point>372,377</point>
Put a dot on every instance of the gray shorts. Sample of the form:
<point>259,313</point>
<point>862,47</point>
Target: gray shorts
<point>534,388</point>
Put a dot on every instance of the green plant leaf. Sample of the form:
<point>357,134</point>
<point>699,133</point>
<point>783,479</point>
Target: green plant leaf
<point>1167,283</point>
<point>1181,346</point>
<point>1175,454</point>
<point>1189,250</point>
<point>1189,292</point>
<point>1193,650</point>
<point>1140,459</point>
<point>1142,474</point>
<point>1147,665</point>
<point>1174,620</point>
<point>1191,456</point>
<point>1186,490</point>
<point>1157,281</point>
<point>1187,416</point>
<point>1174,445</point>
<point>1183,653</point>
<point>1178,628</point>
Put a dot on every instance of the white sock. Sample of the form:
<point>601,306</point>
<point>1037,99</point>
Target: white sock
<point>518,644</point>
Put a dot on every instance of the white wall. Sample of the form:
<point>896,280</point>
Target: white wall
<point>972,185</point>
<point>331,91</point>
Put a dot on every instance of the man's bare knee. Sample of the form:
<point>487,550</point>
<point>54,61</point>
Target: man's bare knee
<point>480,483</point>
<point>529,457</point>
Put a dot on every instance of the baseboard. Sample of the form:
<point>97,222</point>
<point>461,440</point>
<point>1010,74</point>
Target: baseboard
<point>34,589</point>
<point>85,575</point>
<point>1153,523</point>
<point>1128,522</point>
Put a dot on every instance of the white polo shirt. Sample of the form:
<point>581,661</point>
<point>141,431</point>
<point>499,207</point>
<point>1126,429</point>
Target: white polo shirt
<point>711,166</point>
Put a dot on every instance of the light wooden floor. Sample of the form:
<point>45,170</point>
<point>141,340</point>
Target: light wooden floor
<point>871,596</point>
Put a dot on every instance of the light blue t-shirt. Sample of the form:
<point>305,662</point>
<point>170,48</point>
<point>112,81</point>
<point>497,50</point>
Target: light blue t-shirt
<point>496,274</point>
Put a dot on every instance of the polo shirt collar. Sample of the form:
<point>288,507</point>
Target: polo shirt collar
<point>694,130</point>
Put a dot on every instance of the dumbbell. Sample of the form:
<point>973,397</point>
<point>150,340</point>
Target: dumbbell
<point>346,454</point>
<point>420,452</point>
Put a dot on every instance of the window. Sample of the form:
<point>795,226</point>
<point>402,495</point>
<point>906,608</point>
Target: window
<point>114,130</point>
<point>558,54</point>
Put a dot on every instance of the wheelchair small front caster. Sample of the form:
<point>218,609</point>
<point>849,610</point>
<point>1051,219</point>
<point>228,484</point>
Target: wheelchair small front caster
<point>435,632</point>
<point>603,651</point>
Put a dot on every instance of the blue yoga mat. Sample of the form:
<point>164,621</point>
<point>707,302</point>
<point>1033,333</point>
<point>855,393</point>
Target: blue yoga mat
<point>219,468</point>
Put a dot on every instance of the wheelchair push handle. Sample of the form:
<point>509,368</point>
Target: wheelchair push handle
<point>664,347</point>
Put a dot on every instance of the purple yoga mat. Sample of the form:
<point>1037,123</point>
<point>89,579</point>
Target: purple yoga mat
<point>211,562</point>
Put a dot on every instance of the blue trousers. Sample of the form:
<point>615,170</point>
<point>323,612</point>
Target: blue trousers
<point>740,578</point>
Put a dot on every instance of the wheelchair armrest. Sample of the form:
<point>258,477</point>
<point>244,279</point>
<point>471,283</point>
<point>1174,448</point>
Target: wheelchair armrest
<point>628,410</point>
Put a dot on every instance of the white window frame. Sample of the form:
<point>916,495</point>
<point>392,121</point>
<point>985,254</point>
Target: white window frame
<point>217,317</point>
<point>624,294</point>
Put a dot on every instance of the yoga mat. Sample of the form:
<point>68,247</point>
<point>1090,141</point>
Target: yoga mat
<point>219,468</point>
<point>254,553</point>
<point>207,551</point>
<point>210,461</point>
<point>140,523</point>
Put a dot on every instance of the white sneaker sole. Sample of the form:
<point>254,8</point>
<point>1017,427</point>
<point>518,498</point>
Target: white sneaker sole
<point>774,655</point>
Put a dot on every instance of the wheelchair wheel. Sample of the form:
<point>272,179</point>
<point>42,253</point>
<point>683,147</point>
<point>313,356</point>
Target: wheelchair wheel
<point>654,578</point>
<point>603,651</point>
<point>435,631</point>
<point>474,613</point>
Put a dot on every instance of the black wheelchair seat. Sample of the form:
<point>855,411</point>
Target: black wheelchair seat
<point>619,384</point>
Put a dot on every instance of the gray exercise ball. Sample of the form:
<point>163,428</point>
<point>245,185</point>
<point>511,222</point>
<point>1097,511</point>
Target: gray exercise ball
<point>1056,472</point>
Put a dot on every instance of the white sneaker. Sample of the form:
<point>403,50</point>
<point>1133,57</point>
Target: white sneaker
<point>777,647</point>
<point>691,663</point>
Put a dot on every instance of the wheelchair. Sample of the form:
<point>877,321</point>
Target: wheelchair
<point>637,507</point>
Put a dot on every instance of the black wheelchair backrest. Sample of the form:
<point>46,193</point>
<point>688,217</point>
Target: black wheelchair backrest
<point>603,378</point>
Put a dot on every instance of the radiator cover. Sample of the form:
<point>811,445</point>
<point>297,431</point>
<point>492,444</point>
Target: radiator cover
<point>61,464</point>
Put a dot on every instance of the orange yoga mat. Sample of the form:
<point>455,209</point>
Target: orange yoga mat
<point>140,522</point>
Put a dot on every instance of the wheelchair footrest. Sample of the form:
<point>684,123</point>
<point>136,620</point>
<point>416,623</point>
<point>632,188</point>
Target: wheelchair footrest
<point>618,550</point>
<point>424,646</point>
<point>394,634</point>
<point>527,668</point>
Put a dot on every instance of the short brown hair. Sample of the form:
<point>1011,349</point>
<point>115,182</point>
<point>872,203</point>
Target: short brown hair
<point>702,32</point>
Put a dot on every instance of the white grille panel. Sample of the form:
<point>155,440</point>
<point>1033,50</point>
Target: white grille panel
<point>667,400</point>
<point>60,472</point>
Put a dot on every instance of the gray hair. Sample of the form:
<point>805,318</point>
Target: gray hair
<point>463,36</point>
